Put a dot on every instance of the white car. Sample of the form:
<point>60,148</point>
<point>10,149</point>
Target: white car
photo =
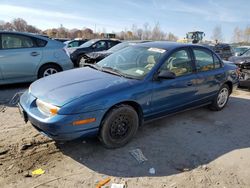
<point>25,57</point>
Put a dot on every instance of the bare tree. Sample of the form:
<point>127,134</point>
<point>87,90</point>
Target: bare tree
<point>217,34</point>
<point>171,37</point>
<point>8,26</point>
<point>237,35</point>
<point>19,24</point>
<point>2,25</point>
<point>146,31</point>
<point>87,33</point>
<point>140,33</point>
<point>61,32</point>
<point>129,35</point>
<point>157,34</point>
<point>247,34</point>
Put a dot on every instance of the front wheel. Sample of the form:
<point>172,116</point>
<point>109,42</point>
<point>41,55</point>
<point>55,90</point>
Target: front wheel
<point>221,98</point>
<point>119,126</point>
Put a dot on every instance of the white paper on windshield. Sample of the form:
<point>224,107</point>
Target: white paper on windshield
<point>139,72</point>
<point>156,50</point>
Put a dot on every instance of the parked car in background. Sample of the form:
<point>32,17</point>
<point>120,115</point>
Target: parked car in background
<point>243,62</point>
<point>75,43</point>
<point>61,39</point>
<point>223,50</point>
<point>239,59</point>
<point>25,57</point>
<point>93,45</point>
<point>238,51</point>
<point>95,57</point>
<point>244,78</point>
<point>134,85</point>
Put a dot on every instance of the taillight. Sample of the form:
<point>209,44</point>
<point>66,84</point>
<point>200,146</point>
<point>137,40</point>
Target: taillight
<point>66,51</point>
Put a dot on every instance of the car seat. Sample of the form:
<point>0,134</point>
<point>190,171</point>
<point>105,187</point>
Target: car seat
<point>150,62</point>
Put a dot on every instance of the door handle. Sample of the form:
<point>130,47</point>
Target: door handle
<point>34,54</point>
<point>189,83</point>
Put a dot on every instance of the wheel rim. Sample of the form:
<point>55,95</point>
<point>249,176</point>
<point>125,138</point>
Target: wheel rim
<point>222,97</point>
<point>49,71</point>
<point>120,127</point>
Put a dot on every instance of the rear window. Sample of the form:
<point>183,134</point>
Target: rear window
<point>40,42</point>
<point>13,41</point>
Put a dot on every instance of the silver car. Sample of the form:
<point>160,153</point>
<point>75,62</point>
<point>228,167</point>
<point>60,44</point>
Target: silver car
<point>25,57</point>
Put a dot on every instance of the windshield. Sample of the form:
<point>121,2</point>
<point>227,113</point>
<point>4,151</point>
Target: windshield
<point>246,53</point>
<point>133,61</point>
<point>240,50</point>
<point>118,47</point>
<point>88,44</point>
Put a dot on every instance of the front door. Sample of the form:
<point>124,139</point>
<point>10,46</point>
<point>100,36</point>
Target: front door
<point>19,56</point>
<point>100,46</point>
<point>170,95</point>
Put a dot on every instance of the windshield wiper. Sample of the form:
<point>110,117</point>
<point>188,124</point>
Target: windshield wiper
<point>91,65</point>
<point>112,71</point>
<point>116,72</point>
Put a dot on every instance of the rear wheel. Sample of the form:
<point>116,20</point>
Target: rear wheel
<point>47,70</point>
<point>221,98</point>
<point>119,126</point>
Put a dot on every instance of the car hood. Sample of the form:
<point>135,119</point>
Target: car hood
<point>62,88</point>
<point>238,59</point>
<point>94,55</point>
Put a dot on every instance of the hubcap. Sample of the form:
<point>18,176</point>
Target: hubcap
<point>222,97</point>
<point>49,71</point>
<point>120,127</point>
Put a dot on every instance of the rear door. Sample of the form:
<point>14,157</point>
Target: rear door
<point>209,71</point>
<point>20,56</point>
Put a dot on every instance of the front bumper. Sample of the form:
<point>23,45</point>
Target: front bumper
<point>59,127</point>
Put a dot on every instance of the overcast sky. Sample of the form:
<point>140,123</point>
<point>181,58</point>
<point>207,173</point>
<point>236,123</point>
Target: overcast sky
<point>177,16</point>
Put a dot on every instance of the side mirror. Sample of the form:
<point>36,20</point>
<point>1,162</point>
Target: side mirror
<point>94,46</point>
<point>165,74</point>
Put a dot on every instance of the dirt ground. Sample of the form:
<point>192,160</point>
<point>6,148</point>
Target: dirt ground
<point>197,148</point>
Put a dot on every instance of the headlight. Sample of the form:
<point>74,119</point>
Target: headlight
<point>46,108</point>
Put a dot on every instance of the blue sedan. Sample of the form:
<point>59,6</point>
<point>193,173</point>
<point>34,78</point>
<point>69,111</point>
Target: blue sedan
<point>114,97</point>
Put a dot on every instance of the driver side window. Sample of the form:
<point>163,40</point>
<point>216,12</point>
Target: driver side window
<point>101,45</point>
<point>179,63</point>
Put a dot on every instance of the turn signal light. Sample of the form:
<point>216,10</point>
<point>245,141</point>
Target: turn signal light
<point>84,121</point>
<point>53,111</point>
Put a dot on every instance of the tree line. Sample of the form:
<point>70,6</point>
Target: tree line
<point>135,33</point>
<point>146,32</point>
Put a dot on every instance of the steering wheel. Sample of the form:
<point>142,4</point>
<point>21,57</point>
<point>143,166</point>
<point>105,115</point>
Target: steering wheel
<point>170,62</point>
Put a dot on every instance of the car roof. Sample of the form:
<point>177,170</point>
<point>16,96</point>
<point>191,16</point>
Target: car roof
<point>25,33</point>
<point>166,45</point>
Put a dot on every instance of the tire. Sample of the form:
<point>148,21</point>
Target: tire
<point>78,61</point>
<point>221,98</point>
<point>48,69</point>
<point>119,126</point>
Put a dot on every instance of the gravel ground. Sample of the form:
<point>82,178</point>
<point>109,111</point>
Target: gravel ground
<point>197,148</point>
